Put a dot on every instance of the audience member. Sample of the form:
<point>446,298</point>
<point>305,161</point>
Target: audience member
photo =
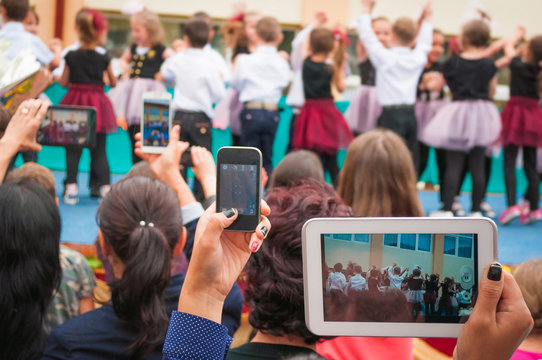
<point>297,165</point>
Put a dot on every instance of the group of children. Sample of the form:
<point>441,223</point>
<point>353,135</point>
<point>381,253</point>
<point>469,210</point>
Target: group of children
<point>402,89</point>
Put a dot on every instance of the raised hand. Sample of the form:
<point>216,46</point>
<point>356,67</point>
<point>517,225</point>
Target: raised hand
<point>24,124</point>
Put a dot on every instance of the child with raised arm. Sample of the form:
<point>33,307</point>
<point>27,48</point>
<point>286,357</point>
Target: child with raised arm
<point>398,70</point>
<point>396,276</point>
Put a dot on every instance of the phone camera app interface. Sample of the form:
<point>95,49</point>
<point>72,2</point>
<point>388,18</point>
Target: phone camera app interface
<point>238,184</point>
<point>156,123</point>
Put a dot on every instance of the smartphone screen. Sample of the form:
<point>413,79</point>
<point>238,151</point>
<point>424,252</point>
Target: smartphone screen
<point>68,126</point>
<point>238,175</point>
<point>156,122</point>
<point>429,278</point>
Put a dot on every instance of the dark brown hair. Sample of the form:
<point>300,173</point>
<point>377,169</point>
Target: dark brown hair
<point>321,40</point>
<point>197,32</point>
<point>203,16</point>
<point>5,117</point>
<point>297,165</point>
<point>16,10</point>
<point>275,273</point>
<point>404,30</point>
<point>268,29</point>
<point>141,168</point>
<point>378,177</point>
<point>36,174</point>
<point>90,23</point>
<point>125,217</point>
<point>475,33</point>
<point>535,49</point>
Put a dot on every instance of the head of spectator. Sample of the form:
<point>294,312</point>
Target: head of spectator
<point>5,116</point>
<point>269,31</point>
<point>297,165</point>
<point>378,177</point>
<point>141,168</point>
<point>14,10</point>
<point>275,273</point>
<point>140,230</point>
<point>29,266</point>
<point>196,33</point>
<point>529,278</point>
<point>36,174</point>
<point>32,21</point>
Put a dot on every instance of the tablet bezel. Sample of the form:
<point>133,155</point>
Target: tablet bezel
<point>312,269</point>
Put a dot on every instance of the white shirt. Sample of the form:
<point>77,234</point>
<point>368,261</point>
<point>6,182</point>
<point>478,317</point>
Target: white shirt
<point>261,76</point>
<point>198,84</point>
<point>357,282</point>
<point>17,38</point>
<point>75,46</point>
<point>219,61</point>
<point>296,95</point>
<point>395,280</point>
<point>397,69</point>
<point>337,281</point>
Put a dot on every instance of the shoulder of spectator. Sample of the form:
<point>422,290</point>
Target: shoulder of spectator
<point>191,212</point>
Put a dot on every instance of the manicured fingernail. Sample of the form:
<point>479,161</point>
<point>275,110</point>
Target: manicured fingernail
<point>254,246</point>
<point>264,231</point>
<point>495,272</point>
<point>229,213</point>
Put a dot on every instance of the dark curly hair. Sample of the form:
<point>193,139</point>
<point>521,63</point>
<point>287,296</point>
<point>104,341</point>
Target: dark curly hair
<point>275,273</point>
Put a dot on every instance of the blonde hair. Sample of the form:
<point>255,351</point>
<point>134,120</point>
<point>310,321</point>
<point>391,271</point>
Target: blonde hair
<point>378,177</point>
<point>529,278</point>
<point>151,22</point>
<point>404,30</point>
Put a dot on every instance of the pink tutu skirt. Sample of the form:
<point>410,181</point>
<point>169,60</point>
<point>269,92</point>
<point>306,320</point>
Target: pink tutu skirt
<point>321,127</point>
<point>462,125</point>
<point>426,111</point>
<point>522,122</point>
<point>93,96</point>
<point>228,112</point>
<point>364,110</point>
<point>127,97</point>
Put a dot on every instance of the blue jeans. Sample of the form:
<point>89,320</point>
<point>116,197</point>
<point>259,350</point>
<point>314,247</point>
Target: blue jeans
<point>258,128</point>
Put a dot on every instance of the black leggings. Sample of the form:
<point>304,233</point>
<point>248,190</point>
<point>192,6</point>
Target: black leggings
<point>329,161</point>
<point>529,166</point>
<point>455,161</point>
<point>99,167</point>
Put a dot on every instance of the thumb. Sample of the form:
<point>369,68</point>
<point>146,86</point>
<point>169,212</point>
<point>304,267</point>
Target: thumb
<point>175,134</point>
<point>491,289</point>
<point>220,221</point>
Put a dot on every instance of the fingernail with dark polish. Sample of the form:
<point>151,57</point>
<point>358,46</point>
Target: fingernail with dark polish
<point>495,272</point>
<point>254,246</point>
<point>264,231</point>
<point>229,213</point>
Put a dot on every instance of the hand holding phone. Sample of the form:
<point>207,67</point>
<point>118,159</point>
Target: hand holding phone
<point>239,185</point>
<point>68,126</point>
<point>155,122</point>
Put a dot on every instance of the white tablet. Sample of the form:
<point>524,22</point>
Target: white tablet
<point>406,277</point>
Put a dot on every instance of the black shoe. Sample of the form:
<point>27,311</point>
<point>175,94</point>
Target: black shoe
<point>95,192</point>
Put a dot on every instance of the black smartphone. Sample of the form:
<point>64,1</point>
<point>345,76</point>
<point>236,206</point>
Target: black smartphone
<point>68,126</point>
<point>239,185</point>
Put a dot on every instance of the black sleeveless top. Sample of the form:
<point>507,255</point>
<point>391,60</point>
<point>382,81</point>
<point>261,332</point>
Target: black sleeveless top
<point>367,73</point>
<point>317,79</point>
<point>147,65</point>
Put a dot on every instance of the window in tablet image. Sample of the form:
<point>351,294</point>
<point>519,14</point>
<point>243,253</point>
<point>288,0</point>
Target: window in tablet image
<point>156,123</point>
<point>399,277</point>
<point>64,127</point>
<point>238,184</point>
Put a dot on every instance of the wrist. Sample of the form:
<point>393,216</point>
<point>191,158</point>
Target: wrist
<point>9,146</point>
<point>205,303</point>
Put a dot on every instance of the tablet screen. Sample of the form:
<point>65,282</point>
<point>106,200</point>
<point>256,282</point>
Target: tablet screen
<point>399,277</point>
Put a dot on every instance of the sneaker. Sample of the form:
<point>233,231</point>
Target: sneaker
<point>525,206</point>
<point>510,214</point>
<point>104,189</point>
<point>475,214</point>
<point>71,196</point>
<point>530,217</point>
<point>442,213</point>
<point>487,210</point>
<point>457,208</point>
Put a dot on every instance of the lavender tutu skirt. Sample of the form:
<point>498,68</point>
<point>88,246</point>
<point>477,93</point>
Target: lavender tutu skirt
<point>462,125</point>
<point>127,97</point>
<point>426,111</point>
<point>228,112</point>
<point>364,110</point>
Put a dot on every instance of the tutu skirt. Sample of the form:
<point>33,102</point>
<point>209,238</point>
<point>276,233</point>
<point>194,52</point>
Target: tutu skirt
<point>522,122</point>
<point>426,111</point>
<point>228,112</point>
<point>415,296</point>
<point>321,127</point>
<point>364,110</point>
<point>463,125</point>
<point>127,97</point>
<point>93,96</point>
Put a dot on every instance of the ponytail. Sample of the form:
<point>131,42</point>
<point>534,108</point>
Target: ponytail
<point>138,297</point>
<point>535,50</point>
<point>141,221</point>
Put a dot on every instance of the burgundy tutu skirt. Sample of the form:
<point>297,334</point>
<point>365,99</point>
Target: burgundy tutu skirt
<point>93,96</point>
<point>463,125</point>
<point>364,110</point>
<point>228,112</point>
<point>321,127</point>
<point>522,122</point>
<point>127,97</point>
<point>426,111</point>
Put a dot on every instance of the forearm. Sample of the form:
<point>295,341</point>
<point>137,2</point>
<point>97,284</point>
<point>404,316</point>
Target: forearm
<point>8,149</point>
<point>174,179</point>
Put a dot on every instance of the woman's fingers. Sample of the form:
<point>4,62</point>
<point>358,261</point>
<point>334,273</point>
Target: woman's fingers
<point>257,238</point>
